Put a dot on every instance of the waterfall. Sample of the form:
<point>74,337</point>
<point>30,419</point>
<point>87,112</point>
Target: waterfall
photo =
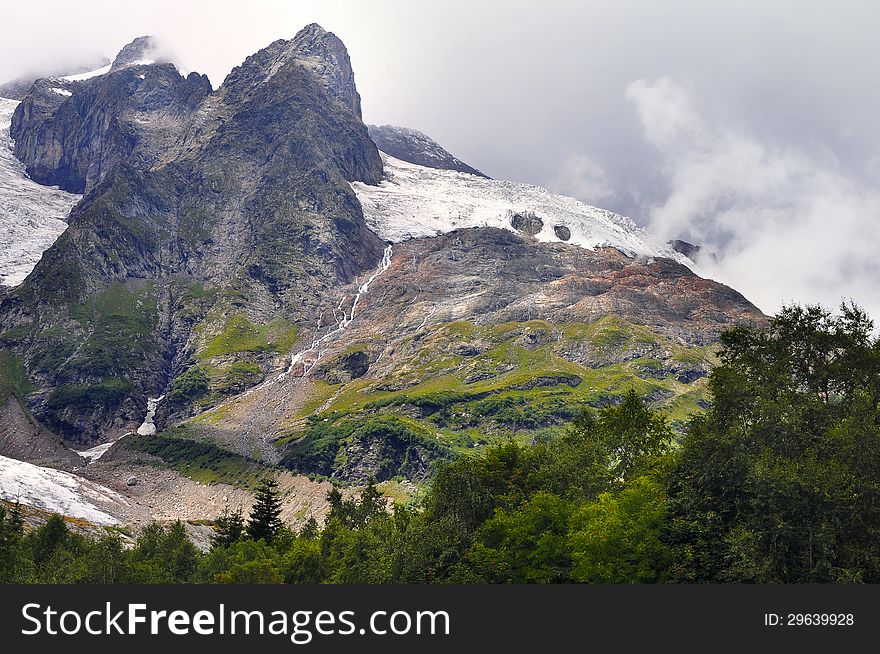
<point>342,322</point>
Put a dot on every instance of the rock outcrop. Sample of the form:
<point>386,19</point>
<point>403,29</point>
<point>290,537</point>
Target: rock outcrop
<point>687,249</point>
<point>72,134</point>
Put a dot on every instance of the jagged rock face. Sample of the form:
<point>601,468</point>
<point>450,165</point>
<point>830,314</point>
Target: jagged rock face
<point>414,147</point>
<point>314,49</point>
<point>73,139</point>
<point>326,57</point>
<point>526,222</point>
<point>203,211</point>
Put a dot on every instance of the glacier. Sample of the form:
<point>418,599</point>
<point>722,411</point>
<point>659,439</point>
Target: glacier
<point>32,216</point>
<point>57,491</point>
<point>415,201</point>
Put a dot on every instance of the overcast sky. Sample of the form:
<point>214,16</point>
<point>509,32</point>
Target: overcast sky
<point>748,127</point>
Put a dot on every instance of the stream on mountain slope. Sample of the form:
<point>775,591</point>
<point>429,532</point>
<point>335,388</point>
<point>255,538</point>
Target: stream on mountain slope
<point>342,323</point>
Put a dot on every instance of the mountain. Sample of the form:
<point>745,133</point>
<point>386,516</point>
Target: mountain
<point>412,146</point>
<point>248,282</point>
<point>18,88</point>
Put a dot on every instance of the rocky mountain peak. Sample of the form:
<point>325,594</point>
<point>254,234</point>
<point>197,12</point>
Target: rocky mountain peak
<point>144,50</point>
<point>316,51</point>
<point>326,56</point>
<point>235,252</point>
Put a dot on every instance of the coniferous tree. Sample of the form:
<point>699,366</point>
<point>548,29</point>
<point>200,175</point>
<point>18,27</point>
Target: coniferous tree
<point>230,528</point>
<point>264,521</point>
<point>49,538</point>
<point>15,563</point>
<point>310,530</point>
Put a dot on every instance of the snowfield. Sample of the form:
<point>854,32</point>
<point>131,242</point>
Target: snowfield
<point>56,491</point>
<point>414,201</point>
<point>32,216</point>
<point>88,74</point>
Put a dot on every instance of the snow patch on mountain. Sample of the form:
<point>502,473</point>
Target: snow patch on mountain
<point>32,216</point>
<point>415,202</point>
<point>148,427</point>
<point>88,74</point>
<point>57,491</point>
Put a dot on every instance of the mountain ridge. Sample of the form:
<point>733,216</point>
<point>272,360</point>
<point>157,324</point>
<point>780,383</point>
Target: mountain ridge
<point>415,147</point>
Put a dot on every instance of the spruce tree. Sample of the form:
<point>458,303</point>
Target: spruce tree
<point>310,530</point>
<point>264,521</point>
<point>16,564</point>
<point>230,528</point>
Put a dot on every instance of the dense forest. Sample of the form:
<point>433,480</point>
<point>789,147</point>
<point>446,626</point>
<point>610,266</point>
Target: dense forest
<point>779,481</point>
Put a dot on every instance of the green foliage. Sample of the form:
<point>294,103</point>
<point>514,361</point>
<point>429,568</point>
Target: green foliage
<point>323,445</point>
<point>16,566</point>
<point>16,335</point>
<point>471,385</point>
<point>189,386</point>
<point>13,377</point>
<point>199,460</point>
<point>527,544</point>
<point>52,349</point>
<point>264,522</point>
<point>235,377</point>
<point>163,555</point>
<point>53,553</point>
<point>355,514</point>
<point>631,436</point>
<point>617,539</point>
<point>243,562</point>
<point>120,327</point>
<point>303,563</point>
<point>240,335</point>
<point>229,528</point>
<point>778,482</point>
<point>108,394</point>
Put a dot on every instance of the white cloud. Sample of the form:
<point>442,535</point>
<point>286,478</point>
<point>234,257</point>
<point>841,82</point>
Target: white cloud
<point>787,225</point>
<point>582,178</point>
